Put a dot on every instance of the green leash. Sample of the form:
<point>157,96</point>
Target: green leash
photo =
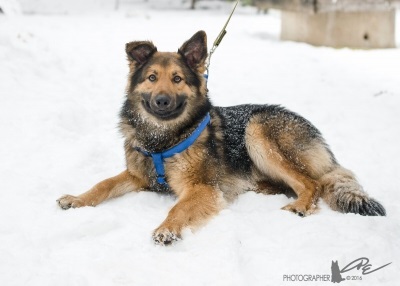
<point>219,38</point>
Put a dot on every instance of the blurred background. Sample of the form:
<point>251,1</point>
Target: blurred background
<point>336,23</point>
<point>63,72</point>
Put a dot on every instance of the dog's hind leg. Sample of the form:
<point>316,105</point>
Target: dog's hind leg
<point>109,188</point>
<point>271,161</point>
<point>287,148</point>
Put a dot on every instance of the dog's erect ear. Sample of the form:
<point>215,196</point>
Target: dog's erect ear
<point>140,51</point>
<point>194,50</point>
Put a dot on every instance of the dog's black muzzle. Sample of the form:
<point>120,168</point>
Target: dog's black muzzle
<point>164,106</point>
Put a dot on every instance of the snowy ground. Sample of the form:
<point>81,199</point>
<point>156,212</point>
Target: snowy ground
<point>62,80</point>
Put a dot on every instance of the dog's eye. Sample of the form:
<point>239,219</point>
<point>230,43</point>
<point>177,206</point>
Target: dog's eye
<point>152,77</point>
<point>177,79</point>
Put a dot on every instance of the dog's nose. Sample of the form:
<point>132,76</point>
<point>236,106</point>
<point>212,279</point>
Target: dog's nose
<point>162,101</point>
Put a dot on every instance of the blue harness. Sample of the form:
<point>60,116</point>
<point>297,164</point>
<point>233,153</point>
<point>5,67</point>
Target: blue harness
<point>158,158</point>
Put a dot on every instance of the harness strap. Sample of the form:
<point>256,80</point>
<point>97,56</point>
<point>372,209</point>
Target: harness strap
<point>158,157</point>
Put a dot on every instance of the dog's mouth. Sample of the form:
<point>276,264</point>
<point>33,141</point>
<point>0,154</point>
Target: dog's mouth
<point>164,106</point>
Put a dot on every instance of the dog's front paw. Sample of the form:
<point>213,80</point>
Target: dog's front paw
<point>163,236</point>
<point>67,201</point>
<point>300,209</point>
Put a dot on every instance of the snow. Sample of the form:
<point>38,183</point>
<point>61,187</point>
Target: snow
<point>10,7</point>
<point>62,79</point>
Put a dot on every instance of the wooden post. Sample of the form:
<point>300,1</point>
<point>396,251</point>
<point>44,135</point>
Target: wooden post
<point>192,4</point>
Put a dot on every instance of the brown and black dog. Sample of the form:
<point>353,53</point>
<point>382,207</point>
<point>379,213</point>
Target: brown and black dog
<point>263,148</point>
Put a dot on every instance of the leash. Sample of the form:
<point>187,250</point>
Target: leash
<point>158,157</point>
<point>218,40</point>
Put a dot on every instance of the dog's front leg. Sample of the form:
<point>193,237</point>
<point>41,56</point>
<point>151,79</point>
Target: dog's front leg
<point>109,188</point>
<point>195,207</point>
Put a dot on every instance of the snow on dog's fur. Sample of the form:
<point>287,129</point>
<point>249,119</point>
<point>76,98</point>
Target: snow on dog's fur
<point>262,148</point>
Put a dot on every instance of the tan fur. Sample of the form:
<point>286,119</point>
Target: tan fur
<point>164,82</point>
<point>317,160</point>
<point>269,159</point>
<point>107,189</point>
<point>196,205</point>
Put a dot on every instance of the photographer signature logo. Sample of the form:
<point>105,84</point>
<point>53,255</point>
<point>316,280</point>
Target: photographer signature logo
<point>359,267</point>
<point>361,264</point>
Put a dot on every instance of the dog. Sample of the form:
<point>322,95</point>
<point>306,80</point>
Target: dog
<point>177,142</point>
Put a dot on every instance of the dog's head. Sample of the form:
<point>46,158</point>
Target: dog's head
<point>168,86</point>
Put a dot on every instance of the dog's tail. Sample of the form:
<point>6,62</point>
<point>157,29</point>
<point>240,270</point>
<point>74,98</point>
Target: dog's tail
<point>342,192</point>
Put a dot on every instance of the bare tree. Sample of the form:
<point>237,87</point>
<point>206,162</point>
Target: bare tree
<point>193,3</point>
